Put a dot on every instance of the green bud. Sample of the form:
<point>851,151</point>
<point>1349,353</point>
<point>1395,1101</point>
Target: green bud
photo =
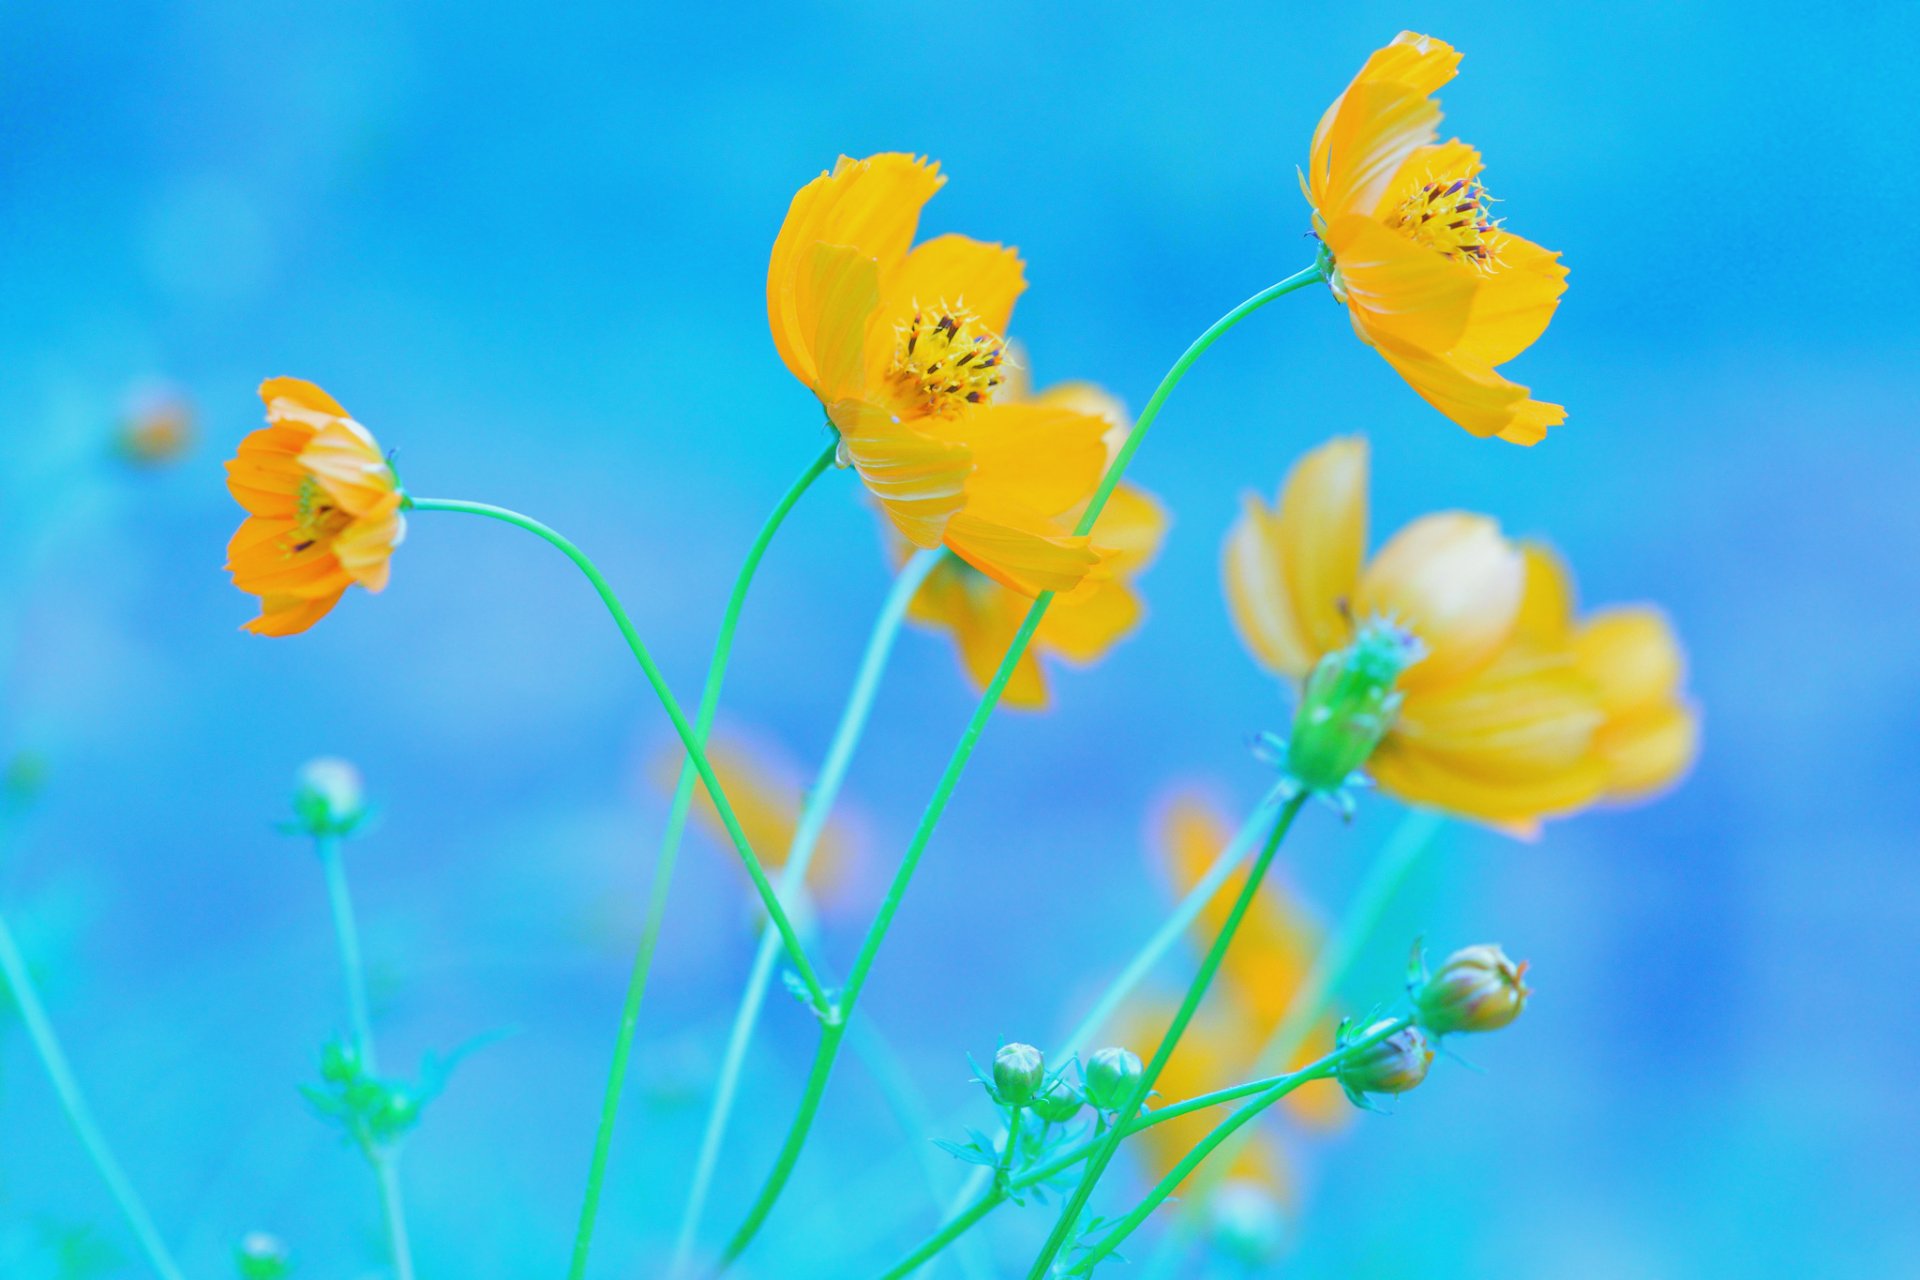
<point>1018,1072</point>
<point>260,1256</point>
<point>1057,1105</point>
<point>1111,1076</point>
<point>1393,1065</point>
<point>328,799</point>
<point>339,1063</point>
<point>1347,706</point>
<point>1477,989</point>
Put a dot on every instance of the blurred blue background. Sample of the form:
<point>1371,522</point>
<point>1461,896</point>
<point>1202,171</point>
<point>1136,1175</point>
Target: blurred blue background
<point>527,248</point>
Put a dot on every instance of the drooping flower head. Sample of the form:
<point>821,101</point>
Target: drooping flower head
<point>1502,719</point>
<point>906,348</point>
<point>1434,282</point>
<point>323,509</point>
<point>1086,623</point>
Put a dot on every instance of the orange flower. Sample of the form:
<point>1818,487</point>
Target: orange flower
<point>1434,283</point>
<point>1496,723</point>
<point>323,509</point>
<point>158,430</point>
<point>1083,625</point>
<point>906,348</point>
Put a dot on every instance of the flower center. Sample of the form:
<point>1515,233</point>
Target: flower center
<point>1451,219</point>
<point>316,517</point>
<point>945,358</point>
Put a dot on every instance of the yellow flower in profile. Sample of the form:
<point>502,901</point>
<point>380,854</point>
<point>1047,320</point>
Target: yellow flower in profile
<point>323,509</point>
<point>767,794</point>
<point>1496,723</point>
<point>905,346</point>
<point>1434,282</point>
<point>1631,657</point>
<point>1083,625</point>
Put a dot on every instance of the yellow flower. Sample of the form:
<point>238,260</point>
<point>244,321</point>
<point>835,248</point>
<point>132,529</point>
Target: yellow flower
<point>1434,282</point>
<point>767,793</point>
<point>1630,654</point>
<point>158,430</point>
<point>1082,625</point>
<point>1498,722</point>
<point>906,348</point>
<point>323,509</point>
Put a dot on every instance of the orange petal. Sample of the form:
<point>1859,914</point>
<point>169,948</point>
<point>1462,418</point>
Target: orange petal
<point>1400,291</point>
<point>347,462</point>
<point>365,547</point>
<point>290,615</point>
<point>958,271</point>
<point>1455,582</point>
<point>919,482</point>
<point>1019,550</point>
<point>872,206</point>
<point>840,302</point>
<point>265,475</point>
<point>296,400</point>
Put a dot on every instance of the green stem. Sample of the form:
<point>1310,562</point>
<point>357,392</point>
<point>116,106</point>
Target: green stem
<point>946,1235</point>
<point>796,954</point>
<point>1223,1131</point>
<point>40,1031</point>
<point>664,866</point>
<point>963,752</point>
<point>806,838</point>
<point>1196,992</point>
<point>384,1159</point>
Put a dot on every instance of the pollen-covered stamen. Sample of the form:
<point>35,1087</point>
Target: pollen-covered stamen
<point>1451,218</point>
<point>944,358</point>
<point>317,518</point>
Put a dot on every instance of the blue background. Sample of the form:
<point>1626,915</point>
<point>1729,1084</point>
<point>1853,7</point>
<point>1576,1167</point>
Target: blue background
<point>527,248</point>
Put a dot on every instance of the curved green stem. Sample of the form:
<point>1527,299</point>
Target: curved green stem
<point>1196,992</point>
<point>19,980</point>
<point>963,752</point>
<point>1220,1133</point>
<point>806,838</point>
<point>663,867</point>
<point>384,1159</point>
<point>796,954</point>
<point>946,1235</point>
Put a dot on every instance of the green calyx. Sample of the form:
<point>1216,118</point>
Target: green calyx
<point>1347,706</point>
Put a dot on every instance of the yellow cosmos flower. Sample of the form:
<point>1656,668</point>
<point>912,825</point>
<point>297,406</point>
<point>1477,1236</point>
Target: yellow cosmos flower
<point>323,509</point>
<point>905,347</point>
<point>158,429</point>
<point>1497,723</point>
<point>1434,282</point>
<point>1083,625</point>
<point>1629,653</point>
<point>767,793</point>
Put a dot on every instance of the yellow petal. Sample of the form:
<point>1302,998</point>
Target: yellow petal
<point>1398,290</point>
<point>919,482</point>
<point>1371,128</point>
<point>1515,301</point>
<point>290,615</point>
<point>982,617</point>
<point>1084,626</point>
<point>1547,602</point>
<point>841,302</point>
<point>348,464</point>
<point>1632,656</point>
<point>872,206</point>
<point>297,400</point>
<point>1045,460</point>
<point>365,547</point>
<point>958,271</point>
<point>1649,751</point>
<point>1455,582</point>
<point>1471,393</point>
<point>1130,529</point>
<point>1019,550</point>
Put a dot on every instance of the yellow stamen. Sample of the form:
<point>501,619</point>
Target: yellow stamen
<point>1451,219</point>
<point>945,358</point>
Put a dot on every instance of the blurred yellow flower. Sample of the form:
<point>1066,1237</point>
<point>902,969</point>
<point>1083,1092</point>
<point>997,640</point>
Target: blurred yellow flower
<point>906,348</point>
<point>1434,283</point>
<point>767,794</point>
<point>1083,625</point>
<point>158,429</point>
<point>1514,714</point>
<point>323,509</point>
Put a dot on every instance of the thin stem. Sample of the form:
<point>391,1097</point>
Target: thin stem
<point>1196,992</point>
<point>806,838</point>
<point>963,752</point>
<point>663,866</point>
<point>383,1158</point>
<point>1223,1131</point>
<point>66,1087</point>
<point>946,1235</point>
<point>796,954</point>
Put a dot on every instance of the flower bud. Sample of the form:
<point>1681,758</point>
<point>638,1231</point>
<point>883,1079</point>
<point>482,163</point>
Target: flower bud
<point>1018,1073</point>
<point>1111,1075</point>
<point>1347,706</point>
<point>1057,1105</point>
<point>1393,1065</point>
<point>328,799</point>
<point>1477,989</point>
<point>260,1256</point>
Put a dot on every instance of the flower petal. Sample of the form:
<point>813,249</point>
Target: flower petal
<point>1471,393</point>
<point>1045,460</point>
<point>1547,601</point>
<point>1130,529</point>
<point>839,305</point>
<point>300,401</point>
<point>1632,656</point>
<point>1084,626</point>
<point>1455,582</point>
<point>958,271</point>
<point>1386,112</point>
<point>290,615</point>
<point>982,617</point>
<point>1399,290</point>
<point>1649,751</point>
<point>919,482</point>
<point>1515,301</point>
<point>1018,549</point>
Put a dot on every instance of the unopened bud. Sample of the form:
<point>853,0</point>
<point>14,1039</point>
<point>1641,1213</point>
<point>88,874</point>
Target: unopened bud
<point>1057,1105</point>
<point>1393,1065</point>
<point>1018,1073</point>
<point>260,1256</point>
<point>1347,706</point>
<point>329,799</point>
<point>1477,989</point>
<point>1111,1076</point>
